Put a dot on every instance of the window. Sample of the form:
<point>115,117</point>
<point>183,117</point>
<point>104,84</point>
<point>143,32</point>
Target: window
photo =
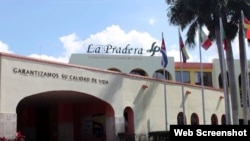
<point>194,119</point>
<point>139,72</point>
<point>223,119</point>
<point>241,94</point>
<point>180,119</point>
<point>185,76</point>
<point>159,74</point>
<point>114,69</point>
<point>128,115</point>
<point>207,78</point>
<point>221,80</point>
<point>214,119</point>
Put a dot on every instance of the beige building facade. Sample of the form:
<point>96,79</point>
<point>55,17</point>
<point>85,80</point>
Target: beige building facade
<point>96,97</point>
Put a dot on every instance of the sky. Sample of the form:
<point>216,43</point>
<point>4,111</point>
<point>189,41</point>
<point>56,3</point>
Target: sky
<point>55,29</point>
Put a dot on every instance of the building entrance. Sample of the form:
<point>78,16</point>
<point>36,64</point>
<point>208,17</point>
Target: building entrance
<point>65,116</point>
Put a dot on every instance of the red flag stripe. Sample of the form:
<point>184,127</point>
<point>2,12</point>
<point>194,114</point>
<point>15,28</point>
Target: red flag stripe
<point>248,34</point>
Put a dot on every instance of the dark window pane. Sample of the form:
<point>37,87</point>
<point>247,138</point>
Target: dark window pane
<point>207,78</point>
<point>185,76</point>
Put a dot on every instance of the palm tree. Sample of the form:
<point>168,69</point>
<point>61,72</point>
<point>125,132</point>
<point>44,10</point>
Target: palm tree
<point>194,13</point>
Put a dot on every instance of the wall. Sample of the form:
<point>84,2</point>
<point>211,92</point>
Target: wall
<point>120,90</point>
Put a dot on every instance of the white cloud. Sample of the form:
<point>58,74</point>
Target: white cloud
<point>4,47</point>
<point>113,35</point>
<point>152,21</point>
<point>50,58</point>
<point>71,44</point>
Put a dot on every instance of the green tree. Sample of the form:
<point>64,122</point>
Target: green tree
<point>194,13</point>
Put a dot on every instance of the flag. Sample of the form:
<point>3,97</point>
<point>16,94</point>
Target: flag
<point>184,54</point>
<point>205,41</point>
<point>248,34</point>
<point>246,23</point>
<point>164,60</point>
<point>247,27</point>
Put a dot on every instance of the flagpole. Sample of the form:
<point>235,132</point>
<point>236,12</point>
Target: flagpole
<point>244,70</point>
<point>164,74</point>
<point>201,75</point>
<point>165,99</point>
<point>223,72</point>
<point>182,90</point>
<point>182,87</point>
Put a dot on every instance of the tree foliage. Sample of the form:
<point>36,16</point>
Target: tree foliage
<point>194,13</point>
